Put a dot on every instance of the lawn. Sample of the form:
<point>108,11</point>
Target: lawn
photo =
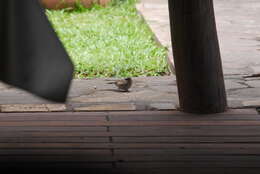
<point>109,42</point>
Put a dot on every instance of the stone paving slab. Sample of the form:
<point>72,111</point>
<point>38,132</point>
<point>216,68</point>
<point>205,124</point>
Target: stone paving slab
<point>33,108</point>
<point>147,93</point>
<point>108,107</point>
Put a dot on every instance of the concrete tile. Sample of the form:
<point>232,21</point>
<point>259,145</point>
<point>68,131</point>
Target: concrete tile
<point>56,107</point>
<point>233,84</point>
<point>241,111</point>
<point>24,108</point>
<point>108,107</point>
<point>254,83</point>
<point>162,106</point>
<point>252,103</point>
<point>256,69</point>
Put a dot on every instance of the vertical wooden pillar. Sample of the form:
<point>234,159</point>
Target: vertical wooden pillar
<point>197,56</point>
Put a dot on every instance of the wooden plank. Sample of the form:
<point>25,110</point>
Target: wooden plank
<point>54,116</point>
<point>43,167</point>
<point>193,139</point>
<point>127,123</point>
<point>53,134</point>
<point>53,123</point>
<point>220,117</point>
<point>192,151</point>
<point>53,129</point>
<point>165,115</point>
<point>137,115</point>
<point>206,146</point>
<point>86,114</point>
<point>170,164</point>
<point>180,123</point>
<point>54,152</point>
<point>57,159</point>
<point>184,170</point>
<point>108,169</point>
<point>186,158</point>
<point>128,116</point>
<point>184,131</point>
<point>55,140</point>
<point>191,164</point>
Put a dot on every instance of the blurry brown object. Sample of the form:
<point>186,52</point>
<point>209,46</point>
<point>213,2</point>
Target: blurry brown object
<point>59,4</point>
<point>104,2</point>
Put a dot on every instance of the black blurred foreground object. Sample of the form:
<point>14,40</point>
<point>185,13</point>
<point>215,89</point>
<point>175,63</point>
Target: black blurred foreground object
<point>32,57</point>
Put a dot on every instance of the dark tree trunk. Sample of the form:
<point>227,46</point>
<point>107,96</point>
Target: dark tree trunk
<point>197,56</point>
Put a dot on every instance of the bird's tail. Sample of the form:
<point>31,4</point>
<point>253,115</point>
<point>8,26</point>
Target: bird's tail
<point>111,82</point>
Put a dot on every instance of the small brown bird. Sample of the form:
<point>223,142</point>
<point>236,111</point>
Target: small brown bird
<point>124,84</point>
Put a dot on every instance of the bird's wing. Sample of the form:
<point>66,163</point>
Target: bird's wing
<point>110,80</point>
<point>121,82</point>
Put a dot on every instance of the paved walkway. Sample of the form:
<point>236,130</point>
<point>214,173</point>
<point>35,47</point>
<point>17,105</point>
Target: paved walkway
<point>147,93</point>
<point>238,24</point>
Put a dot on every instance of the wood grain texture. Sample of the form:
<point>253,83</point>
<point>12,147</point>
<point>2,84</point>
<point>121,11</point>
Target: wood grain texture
<point>130,142</point>
<point>197,56</point>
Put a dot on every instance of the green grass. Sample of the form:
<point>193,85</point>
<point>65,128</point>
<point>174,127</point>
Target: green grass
<point>109,42</point>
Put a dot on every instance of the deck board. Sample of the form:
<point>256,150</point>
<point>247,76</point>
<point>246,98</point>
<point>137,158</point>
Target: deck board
<point>132,142</point>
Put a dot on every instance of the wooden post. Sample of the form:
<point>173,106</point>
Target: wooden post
<point>197,56</point>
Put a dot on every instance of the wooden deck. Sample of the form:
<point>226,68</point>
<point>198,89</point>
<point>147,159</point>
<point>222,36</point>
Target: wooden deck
<point>131,142</point>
